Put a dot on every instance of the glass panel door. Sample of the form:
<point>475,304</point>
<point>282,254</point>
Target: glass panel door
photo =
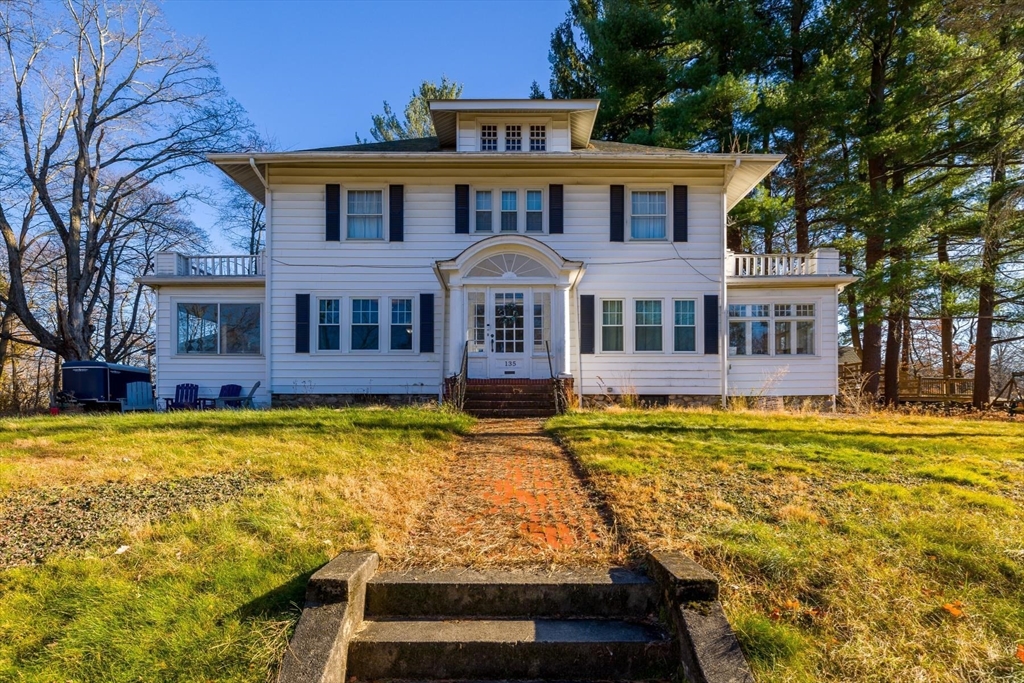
<point>509,323</point>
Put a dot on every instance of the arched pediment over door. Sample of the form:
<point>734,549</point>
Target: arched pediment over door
<point>510,257</point>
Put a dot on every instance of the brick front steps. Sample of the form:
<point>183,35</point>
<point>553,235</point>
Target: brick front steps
<point>610,624</point>
<point>510,398</point>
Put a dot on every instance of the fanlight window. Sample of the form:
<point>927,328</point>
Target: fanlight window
<point>509,266</point>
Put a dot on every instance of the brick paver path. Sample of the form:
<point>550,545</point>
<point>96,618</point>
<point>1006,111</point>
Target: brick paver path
<point>510,498</point>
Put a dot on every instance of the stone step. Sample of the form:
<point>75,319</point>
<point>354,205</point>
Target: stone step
<point>541,649</point>
<point>584,593</point>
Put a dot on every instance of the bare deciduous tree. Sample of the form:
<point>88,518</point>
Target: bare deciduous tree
<point>109,104</point>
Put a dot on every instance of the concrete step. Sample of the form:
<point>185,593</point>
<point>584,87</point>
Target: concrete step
<point>497,395</point>
<point>541,649</point>
<point>584,593</point>
<point>489,404</point>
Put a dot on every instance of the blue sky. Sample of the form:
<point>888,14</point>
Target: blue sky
<point>310,74</point>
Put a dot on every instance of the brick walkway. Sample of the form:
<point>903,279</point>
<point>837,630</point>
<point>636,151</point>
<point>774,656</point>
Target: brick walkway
<point>510,498</point>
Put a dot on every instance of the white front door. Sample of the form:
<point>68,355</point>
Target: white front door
<point>510,343</point>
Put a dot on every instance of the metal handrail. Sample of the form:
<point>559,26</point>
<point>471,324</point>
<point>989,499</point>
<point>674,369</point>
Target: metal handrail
<point>556,389</point>
<point>458,393</point>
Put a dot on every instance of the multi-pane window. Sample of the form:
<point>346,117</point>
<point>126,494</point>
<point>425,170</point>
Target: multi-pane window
<point>509,322</point>
<point>477,318</point>
<point>401,324</point>
<point>509,211</point>
<point>748,329</point>
<point>794,329</point>
<point>648,325</point>
<point>365,214</point>
<point>513,138</point>
<point>541,320</point>
<point>648,215</point>
<point>534,211</point>
<point>488,138</point>
<point>365,324</point>
<point>329,325</point>
<point>685,327</point>
<point>484,211</point>
<point>538,138</point>
<point>611,326</point>
<point>232,329</point>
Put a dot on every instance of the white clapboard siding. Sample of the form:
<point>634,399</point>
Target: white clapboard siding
<point>815,375</point>
<point>209,372</point>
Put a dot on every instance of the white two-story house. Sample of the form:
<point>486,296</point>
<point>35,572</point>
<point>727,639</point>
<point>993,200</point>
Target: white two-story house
<point>511,247</point>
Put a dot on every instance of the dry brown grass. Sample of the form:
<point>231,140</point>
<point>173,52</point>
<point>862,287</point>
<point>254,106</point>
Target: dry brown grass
<point>841,540</point>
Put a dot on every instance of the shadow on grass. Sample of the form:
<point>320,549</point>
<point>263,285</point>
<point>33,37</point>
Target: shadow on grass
<point>283,602</point>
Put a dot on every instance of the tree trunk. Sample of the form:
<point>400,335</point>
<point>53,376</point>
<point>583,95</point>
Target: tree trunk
<point>945,317</point>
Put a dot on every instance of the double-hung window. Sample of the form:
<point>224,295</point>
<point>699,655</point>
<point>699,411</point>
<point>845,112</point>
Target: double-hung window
<point>685,327</point>
<point>647,330</point>
<point>365,324</point>
<point>538,138</point>
<point>611,326</point>
<point>401,324</point>
<point>365,217</point>
<point>648,215</point>
<point>329,325</point>
<point>748,329</point>
<point>484,211</point>
<point>534,211</point>
<point>794,329</point>
<point>509,211</point>
<point>210,329</point>
<point>488,138</point>
<point>513,138</point>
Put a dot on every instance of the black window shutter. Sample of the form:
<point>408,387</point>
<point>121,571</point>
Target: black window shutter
<point>586,323</point>
<point>396,213</point>
<point>332,212</point>
<point>555,214</point>
<point>680,229</point>
<point>462,209</point>
<point>302,323</point>
<point>426,323</point>
<point>618,217</point>
<point>711,324</point>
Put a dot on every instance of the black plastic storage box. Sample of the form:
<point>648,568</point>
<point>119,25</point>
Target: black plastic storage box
<point>96,382</point>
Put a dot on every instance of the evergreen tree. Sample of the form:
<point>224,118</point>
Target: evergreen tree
<point>416,123</point>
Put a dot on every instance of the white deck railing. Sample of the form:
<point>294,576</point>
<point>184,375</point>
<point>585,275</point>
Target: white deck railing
<point>818,262</point>
<point>212,265</point>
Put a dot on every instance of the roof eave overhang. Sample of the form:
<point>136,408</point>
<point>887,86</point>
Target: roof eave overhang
<point>790,281</point>
<point>444,115</point>
<point>157,281</point>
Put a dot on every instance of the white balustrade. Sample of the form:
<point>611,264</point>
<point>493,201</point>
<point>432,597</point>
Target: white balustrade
<point>769,265</point>
<point>223,265</point>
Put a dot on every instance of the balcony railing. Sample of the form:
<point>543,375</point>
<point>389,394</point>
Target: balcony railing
<point>210,265</point>
<point>818,262</point>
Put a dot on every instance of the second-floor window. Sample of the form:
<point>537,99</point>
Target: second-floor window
<point>488,138</point>
<point>513,138</point>
<point>509,211</point>
<point>365,217</point>
<point>534,211</point>
<point>648,215</point>
<point>484,211</point>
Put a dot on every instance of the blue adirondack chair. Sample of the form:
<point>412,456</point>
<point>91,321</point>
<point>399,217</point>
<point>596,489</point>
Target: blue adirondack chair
<point>186,397</point>
<point>227,391</point>
<point>140,397</point>
<point>241,401</point>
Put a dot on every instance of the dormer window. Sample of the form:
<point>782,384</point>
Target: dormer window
<point>538,138</point>
<point>488,138</point>
<point>513,138</point>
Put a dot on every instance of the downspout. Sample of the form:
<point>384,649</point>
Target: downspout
<point>268,204</point>
<point>444,330</point>
<point>723,330</point>
<point>568,334</point>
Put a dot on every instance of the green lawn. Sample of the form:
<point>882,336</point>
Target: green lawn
<point>207,594</point>
<point>875,548</point>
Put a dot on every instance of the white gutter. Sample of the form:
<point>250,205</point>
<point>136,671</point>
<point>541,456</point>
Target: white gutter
<point>268,208</point>
<point>444,330</point>
<point>723,331</point>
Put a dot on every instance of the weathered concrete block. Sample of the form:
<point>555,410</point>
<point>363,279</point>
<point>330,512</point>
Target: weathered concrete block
<point>709,650</point>
<point>682,579</point>
<point>335,603</point>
